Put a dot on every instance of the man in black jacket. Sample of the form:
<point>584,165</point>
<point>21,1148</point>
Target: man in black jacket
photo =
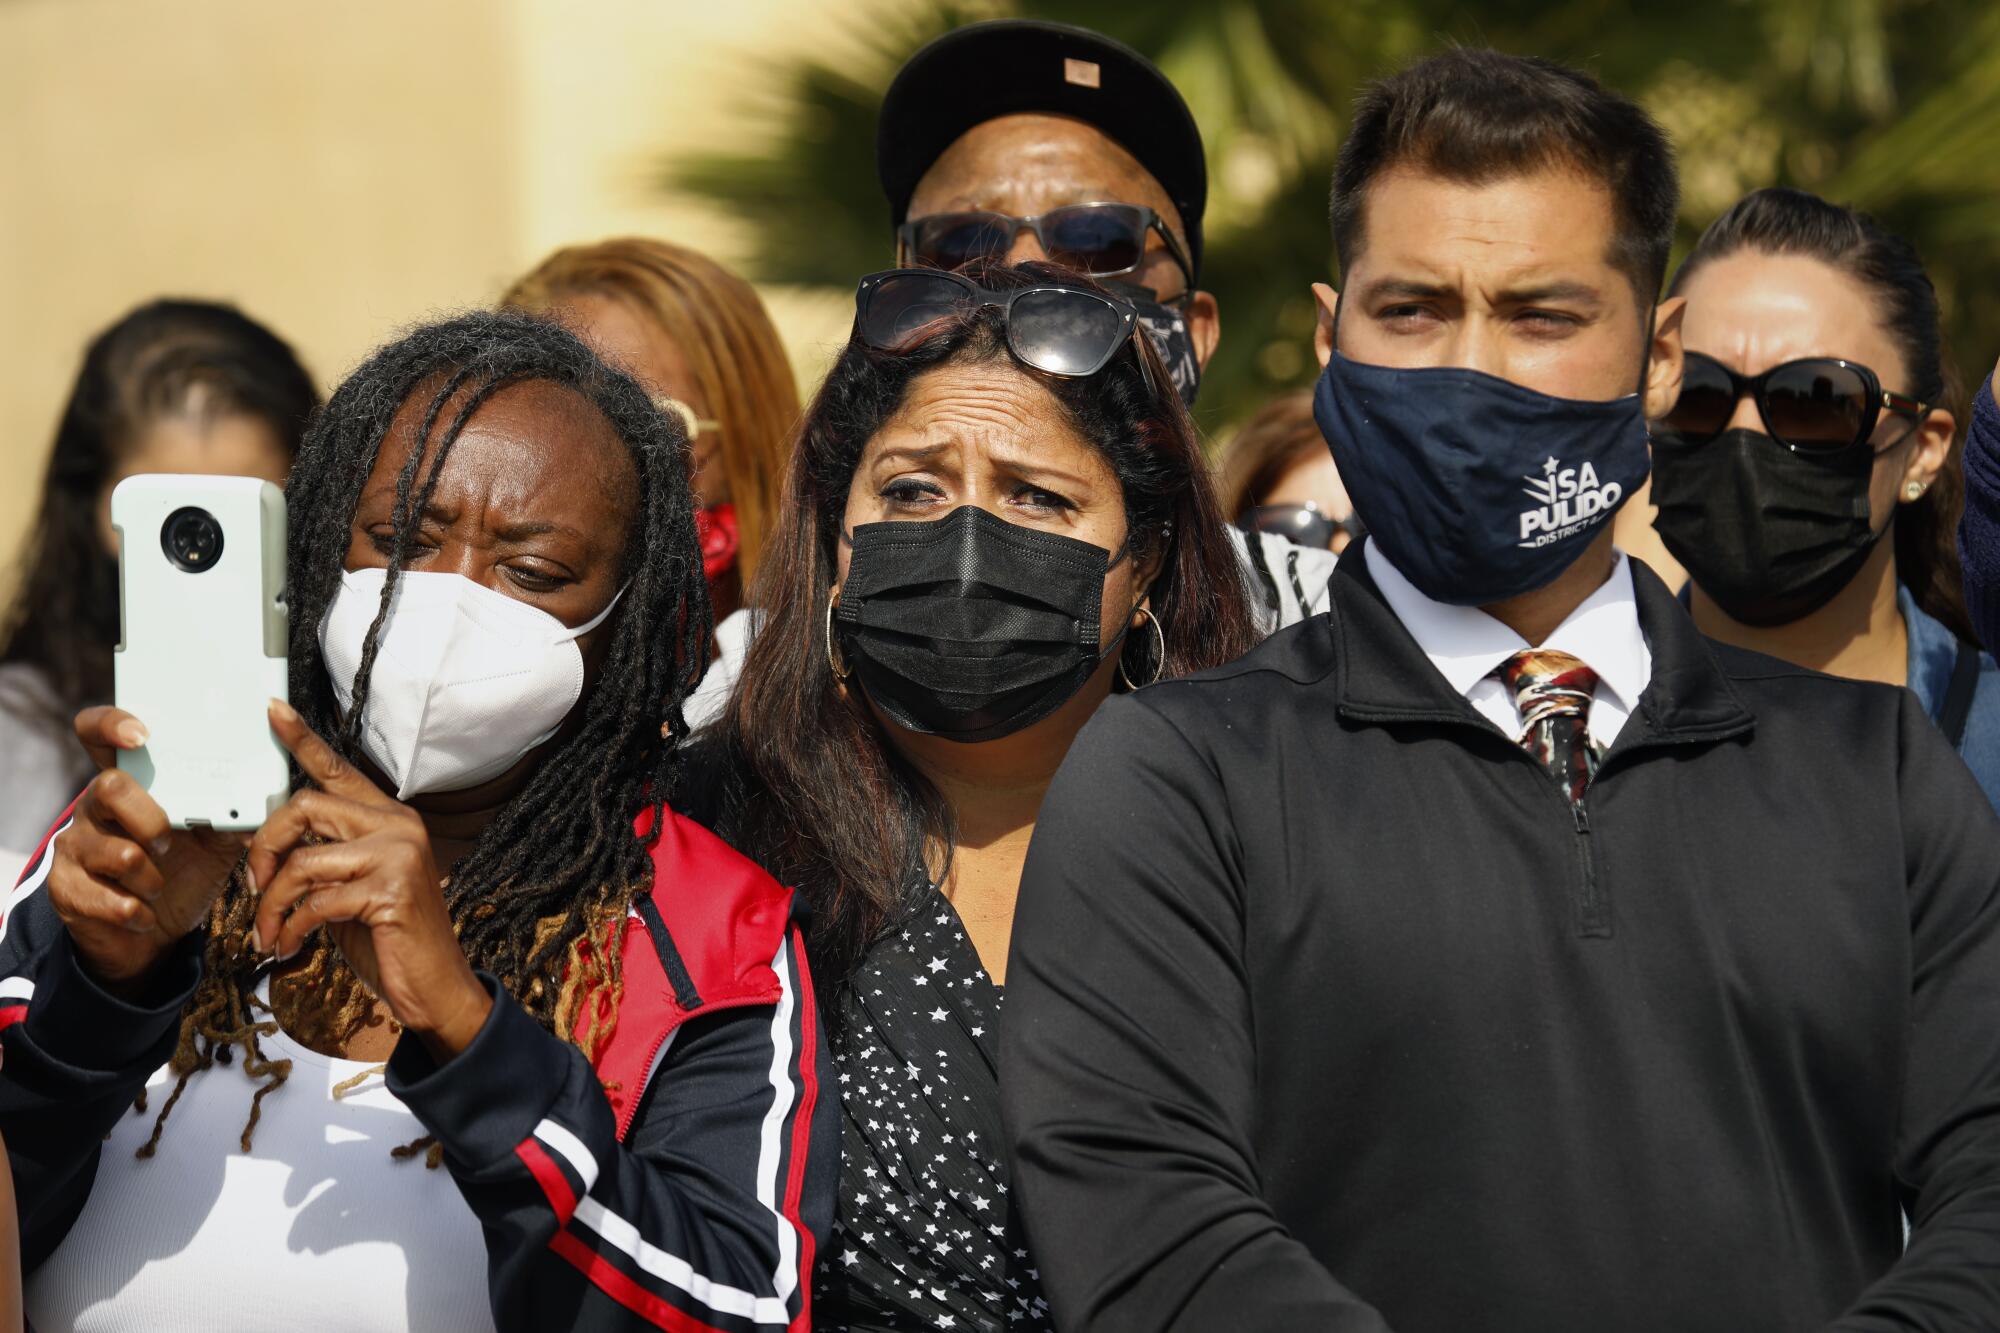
<point>1494,952</point>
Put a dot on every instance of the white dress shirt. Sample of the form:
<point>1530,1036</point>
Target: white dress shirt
<point>1465,645</point>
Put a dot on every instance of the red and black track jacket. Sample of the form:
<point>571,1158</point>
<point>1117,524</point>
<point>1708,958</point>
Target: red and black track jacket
<point>680,1184</point>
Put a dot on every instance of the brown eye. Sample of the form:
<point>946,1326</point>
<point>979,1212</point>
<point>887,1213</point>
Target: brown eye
<point>909,490</point>
<point>1036,497</point>
<point>383,540</point>
<point>1407,316</point>
<point>530,579</point>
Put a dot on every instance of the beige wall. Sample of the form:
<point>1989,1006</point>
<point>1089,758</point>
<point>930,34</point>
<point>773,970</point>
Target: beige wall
<point>342,170</point>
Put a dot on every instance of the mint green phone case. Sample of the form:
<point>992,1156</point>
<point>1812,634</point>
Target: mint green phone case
<point>203,644</point>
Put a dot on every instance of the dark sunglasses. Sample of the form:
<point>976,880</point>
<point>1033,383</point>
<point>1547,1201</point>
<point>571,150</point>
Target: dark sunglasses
<point>1819,404</point>
<point>1302,524</point>
<point>1100,240</point>
<point>1059,330</point>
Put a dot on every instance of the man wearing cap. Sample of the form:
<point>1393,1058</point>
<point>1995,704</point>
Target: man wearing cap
<point>1047,141</point>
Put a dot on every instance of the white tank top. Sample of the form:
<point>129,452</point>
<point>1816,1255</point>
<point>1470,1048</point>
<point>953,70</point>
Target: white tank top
<point>316,1228</point>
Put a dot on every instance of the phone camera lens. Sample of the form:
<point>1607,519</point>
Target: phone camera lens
<point>192,539</point>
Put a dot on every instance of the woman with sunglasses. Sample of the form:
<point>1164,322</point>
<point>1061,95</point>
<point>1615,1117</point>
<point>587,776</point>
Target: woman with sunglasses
<point>997,514</point>
<point>1278,477</point>
<point>1808,478</point>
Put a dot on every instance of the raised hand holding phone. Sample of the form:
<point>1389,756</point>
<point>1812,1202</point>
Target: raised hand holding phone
<point>127,885</point>
<point>373,884</point>
<point>203,627</point>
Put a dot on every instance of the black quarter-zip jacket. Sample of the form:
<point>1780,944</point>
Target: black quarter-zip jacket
<point>1326,1011</point>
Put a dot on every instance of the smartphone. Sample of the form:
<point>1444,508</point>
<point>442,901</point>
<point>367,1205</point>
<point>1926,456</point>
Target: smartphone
<point>202,644</point>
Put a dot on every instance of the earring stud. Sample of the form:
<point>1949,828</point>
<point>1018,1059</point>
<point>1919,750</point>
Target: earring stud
<point>1914,491</point>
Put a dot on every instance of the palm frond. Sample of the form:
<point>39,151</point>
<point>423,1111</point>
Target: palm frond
<point>1893,105</point>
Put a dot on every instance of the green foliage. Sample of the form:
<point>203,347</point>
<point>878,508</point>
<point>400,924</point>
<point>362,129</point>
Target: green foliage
<point>1890,105</point>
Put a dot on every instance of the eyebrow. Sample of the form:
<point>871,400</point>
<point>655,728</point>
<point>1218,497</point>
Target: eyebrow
<point>1551,291</point>
<point>385,494</point>
<point>1022,464</point>
<point>1384,288</point>
<point>509,532</point>
<point>1387,287</point>
<point>1025,466</point>
<point>910,453</point>
<point>516,532</point>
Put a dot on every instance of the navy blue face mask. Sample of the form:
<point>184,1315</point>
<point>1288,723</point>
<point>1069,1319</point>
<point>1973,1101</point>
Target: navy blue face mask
<point>1476,488</point>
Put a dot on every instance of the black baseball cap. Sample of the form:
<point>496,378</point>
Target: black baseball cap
<point>1005,66</point>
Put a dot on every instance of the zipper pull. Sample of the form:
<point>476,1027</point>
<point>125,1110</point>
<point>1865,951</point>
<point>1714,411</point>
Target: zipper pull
<point>1593,913</point>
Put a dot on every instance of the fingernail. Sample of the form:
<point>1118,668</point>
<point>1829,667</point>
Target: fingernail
<point>285,711</point>
<point>161,845</point>
<point>288,955</point>
<point>132,735</point>
<point>256,941</point>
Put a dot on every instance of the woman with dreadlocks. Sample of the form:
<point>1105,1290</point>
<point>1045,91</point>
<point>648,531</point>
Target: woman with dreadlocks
<point>449,947</point>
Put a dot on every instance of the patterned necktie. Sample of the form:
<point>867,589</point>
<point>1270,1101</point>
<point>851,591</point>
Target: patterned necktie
<point>1553,692</point>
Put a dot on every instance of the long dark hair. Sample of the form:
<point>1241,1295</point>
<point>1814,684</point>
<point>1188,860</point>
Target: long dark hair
<point>540,897</point>
<point>165,359</point>
<point>802,778</point>
<point>1791,222</point>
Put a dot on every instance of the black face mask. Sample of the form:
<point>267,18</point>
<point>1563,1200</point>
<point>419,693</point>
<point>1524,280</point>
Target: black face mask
<point>1769,534</point>
<point>1167,326</point>
<point>970,627</point>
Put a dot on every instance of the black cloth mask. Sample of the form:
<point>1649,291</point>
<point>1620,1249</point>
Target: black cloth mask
<point>970,627</point>
<point>1768,533</point>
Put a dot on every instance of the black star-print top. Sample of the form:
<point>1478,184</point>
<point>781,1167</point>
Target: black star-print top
<point>925,1234</point>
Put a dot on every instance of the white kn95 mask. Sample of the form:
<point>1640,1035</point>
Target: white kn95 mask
<point>466,680</point>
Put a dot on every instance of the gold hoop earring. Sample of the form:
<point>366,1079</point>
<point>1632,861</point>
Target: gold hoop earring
<point>841,671</point>
<point>1914,491</point>
<point>1160,636</point>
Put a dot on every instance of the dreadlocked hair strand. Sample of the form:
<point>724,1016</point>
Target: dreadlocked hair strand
<point>541,899</point>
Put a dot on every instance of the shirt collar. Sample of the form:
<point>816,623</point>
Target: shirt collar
<point>1932,653</point>
<point>1465,644</point>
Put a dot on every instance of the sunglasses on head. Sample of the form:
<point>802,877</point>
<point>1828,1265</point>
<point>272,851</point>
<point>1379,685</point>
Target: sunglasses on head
<point>1058,330</point>
<point>1099,240</point>
<point>1302,524</point>
<point>1818,404</point>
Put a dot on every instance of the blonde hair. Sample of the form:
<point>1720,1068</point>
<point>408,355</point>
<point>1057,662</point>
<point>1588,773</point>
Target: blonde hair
<point>718,323</point>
